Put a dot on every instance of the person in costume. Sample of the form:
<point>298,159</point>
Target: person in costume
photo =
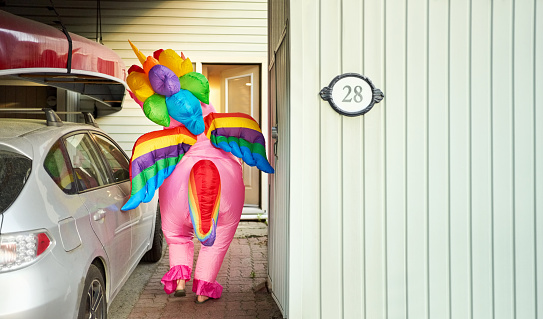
<point>194,162</point>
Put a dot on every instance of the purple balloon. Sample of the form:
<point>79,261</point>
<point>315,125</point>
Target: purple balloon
<point>163,80</point>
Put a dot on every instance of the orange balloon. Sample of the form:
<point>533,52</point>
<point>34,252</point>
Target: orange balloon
<point>149,64</point>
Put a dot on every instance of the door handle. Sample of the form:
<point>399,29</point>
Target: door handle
<point>99,215</point>
<point>275,136</point>
<point>274,132</point>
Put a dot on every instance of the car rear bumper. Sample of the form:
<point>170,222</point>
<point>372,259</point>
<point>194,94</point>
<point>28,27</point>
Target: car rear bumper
<point>45,289</point>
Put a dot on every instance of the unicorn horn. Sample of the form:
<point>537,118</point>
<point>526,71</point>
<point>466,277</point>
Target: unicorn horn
<point>138,53</point>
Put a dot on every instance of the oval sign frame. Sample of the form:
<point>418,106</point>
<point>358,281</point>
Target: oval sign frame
<point>327,93</point>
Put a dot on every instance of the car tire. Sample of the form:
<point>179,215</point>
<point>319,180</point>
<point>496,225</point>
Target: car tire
<point>93,301</point>
<point>155,253</point>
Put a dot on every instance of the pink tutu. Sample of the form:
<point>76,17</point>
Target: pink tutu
<point>170,278</point>
<point>204,288</point>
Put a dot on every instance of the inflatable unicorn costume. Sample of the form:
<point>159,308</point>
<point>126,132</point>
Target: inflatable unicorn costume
<point>193,164</point>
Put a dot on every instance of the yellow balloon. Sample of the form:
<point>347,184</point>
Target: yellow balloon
<point>170,59</point>
<point>186,67</point>
<point>139,84</point>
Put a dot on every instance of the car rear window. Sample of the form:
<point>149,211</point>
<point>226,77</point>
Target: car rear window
<point>55,165</point>
<point>14,171</point>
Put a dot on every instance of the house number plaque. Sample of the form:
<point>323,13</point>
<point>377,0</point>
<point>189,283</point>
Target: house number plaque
<point>351,94</point>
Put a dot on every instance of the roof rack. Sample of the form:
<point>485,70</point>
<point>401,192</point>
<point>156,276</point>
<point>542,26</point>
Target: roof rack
<point>51,116</point>
<point>89,118</point>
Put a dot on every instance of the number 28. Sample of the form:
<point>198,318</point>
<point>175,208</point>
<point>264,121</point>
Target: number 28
<point>357,94</point>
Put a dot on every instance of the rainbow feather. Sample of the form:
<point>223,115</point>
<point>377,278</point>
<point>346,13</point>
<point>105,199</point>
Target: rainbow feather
<point>239,134</point>
<point>154,157</point>
<point>204,200</point>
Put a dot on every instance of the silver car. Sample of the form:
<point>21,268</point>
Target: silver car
<point>66,248</point>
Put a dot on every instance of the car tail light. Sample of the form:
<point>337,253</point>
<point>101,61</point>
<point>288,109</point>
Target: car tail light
<point>18,250</point>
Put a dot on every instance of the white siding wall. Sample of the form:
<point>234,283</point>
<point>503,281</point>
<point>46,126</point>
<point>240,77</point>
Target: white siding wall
<point>206,31</point>
<point>223,31</point>
<point>428,206</point>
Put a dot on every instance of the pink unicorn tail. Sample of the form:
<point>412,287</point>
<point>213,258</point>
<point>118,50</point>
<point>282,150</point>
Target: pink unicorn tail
<point>204,200</point>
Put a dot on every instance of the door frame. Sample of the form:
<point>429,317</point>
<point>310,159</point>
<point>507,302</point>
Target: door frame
<point>262,211</point>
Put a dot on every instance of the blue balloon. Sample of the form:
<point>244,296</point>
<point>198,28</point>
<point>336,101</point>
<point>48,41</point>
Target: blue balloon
<point>185,108</point>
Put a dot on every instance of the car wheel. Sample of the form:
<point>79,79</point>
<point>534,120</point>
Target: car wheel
<point>93,301</point>
<point>155,253</point>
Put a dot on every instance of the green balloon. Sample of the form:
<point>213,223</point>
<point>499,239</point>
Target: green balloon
<point>197,84</point>
<point>156,110</point>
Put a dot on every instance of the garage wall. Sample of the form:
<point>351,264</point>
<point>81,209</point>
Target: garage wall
<point>430,205</point>
<point>221,31</point>
<point>16,96</point>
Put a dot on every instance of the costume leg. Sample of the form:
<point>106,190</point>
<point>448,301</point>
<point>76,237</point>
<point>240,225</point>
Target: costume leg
<point>177,230</point>
<point>181,249</point>
<point>210,260</point>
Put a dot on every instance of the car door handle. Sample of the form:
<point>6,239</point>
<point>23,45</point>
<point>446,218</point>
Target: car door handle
<point>99,215</point>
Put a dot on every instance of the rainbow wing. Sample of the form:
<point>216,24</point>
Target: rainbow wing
<point>239,134</point>
<point>154,157</point>
<point>204,200</point>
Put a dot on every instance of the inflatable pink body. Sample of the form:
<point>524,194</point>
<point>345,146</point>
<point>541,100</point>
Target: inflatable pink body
<point>177,225</point>
<point>193,163</point>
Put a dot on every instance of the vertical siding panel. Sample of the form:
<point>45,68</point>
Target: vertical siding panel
<point>395,114</point>
<point>282,181</point>
<point>481,159</point>
<point>459,159</point>
<point>331,167</point>
<point>438,160</point>
<point>21,95</point>
<point>305,178</point>
<point>280,253</point>
<point>31,97</point>
<point>312,179</point>
<point>353,177</point>
<point>12,97</point>
<point>523,104</point>
<point>3,102</point>
<point>305,126</point>
<point>538,118</point>
<point>373,127</point>
<point>502,100</point>
<point>302,279</point>
<point>416,159</point>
